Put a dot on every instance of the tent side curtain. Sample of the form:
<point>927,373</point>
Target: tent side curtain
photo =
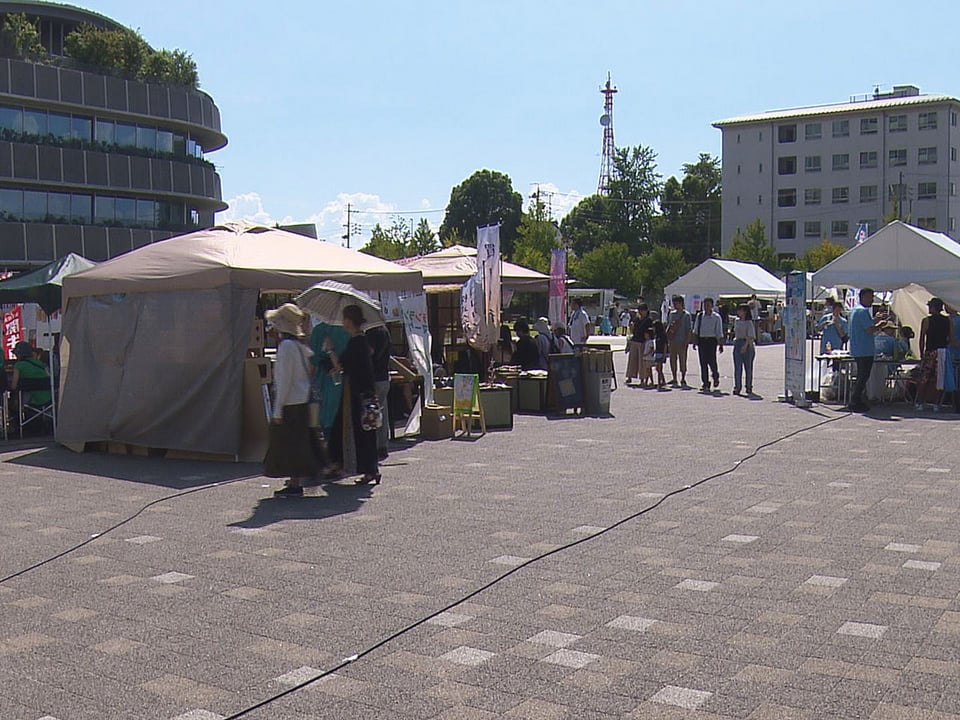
<point>167,366</point>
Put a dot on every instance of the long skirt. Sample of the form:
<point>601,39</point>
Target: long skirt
<point>291,451</point>
<point>634,353</point>
<point>354,448</point>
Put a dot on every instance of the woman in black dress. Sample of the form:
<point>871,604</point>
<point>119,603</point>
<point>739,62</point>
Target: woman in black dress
<point>351,445</point>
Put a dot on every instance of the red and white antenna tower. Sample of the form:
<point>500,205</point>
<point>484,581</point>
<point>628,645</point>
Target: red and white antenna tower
<point>606,122</point>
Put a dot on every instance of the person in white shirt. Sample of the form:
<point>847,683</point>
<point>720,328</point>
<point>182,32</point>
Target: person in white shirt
<point>579,323</point>
<point>708,339</point>
<point>291,452</point>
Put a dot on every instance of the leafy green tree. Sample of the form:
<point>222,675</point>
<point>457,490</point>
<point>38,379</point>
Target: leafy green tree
<point>819,255</point>
<point>660,267</point>
<point>484,198</point>
<point>424,240</point>
<point>537,236</point>
<point>391,243</point>
<point>588,225</point>
<point>691,209</point>
<point>752,245</point>
<point>609,265</point>
<point>632,200</point>
<point>20,37</point>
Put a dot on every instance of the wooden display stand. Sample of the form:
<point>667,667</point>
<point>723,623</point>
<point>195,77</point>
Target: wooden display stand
<point>466,405</point>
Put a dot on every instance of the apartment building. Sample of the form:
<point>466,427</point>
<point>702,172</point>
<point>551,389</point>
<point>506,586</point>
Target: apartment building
<point>821,172</point>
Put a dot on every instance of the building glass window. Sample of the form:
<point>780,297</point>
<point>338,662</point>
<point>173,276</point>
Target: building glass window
<point>898,158</point>
<point>841,161</point>
<point>953,154</point>
<point>126,211</point>
<point>106,132</point>
<point>927,223</point>
<point>786,229</point>
<point>868,159</point>
<point>841,195</point>
<point>927,121</point>
<point>787,197</point>
<point>11,204</point>
<point>147,138</point>
<point>58,125</point>
<point>927,156</point>
<point>927,191</point>
<point>841,128</point>
<point>811,163</point>
<point>81,128</point>
<point>787,165</point>
<point>953,119</point>
<point>869,126</point>
<point>58,207</point>
<point>811,228</point>
<point>34,122</point>
<point>811,196</point>
<point>165,141</point>
<point>34,206</point>
<point>104,210</point>
<point>868,193</point>
<point>839,228</point>
<point>787,133</point>
<point>11,119</point>
<point>126,135</point>
<point>897,123</point>
<point>80,209</point>
<point>146,213</point>
<point>813,131</point>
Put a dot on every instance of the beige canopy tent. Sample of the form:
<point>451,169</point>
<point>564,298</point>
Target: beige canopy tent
<point>154,341</point>
<point>448,269</point>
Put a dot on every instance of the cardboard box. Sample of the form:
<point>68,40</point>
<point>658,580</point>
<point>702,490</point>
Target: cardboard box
<point>436,422</point>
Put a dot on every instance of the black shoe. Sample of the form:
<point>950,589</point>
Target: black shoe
<point>289,491</point>
<point>716,381</point>
<point>736,391</point>
<point>705,388</point>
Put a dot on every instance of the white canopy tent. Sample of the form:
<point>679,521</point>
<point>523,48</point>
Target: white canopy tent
<point>727,278</point>
<point>895,256</point>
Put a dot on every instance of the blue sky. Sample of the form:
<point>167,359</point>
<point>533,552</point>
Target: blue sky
<point>390,104</point>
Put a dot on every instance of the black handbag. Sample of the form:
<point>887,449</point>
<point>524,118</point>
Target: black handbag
<point>371,417</point>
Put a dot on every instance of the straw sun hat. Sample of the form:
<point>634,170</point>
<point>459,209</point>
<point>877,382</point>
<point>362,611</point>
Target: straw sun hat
<point>287,318</point>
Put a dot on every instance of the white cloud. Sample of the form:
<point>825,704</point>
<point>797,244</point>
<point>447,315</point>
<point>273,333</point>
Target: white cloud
<point>367,209</point>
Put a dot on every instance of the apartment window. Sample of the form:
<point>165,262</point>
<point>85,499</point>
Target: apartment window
<point>841,161</point>
<point>869,126</point>
<point>898,158</point>
<point>786,229</point>
<point>868,160</point>
<point>868,193</point>
<point>787,133</point>
<point>811,196</point>
<point>953,119</point>
<point>738,201</point>
<point>738,138</point>
<point>953,189</point>
<point>953,224</point>
<point>759,199</point>
<point>927,121</point>
<point>928,223</point>
<point>897,123</point>
<point>787,197</point>
<point>953,154</point>
<point>927,155</point>
<point>841,195</point>
<point>738,169</point>
<point>811,163</point>
<point>811,228</point>
<point>812,131</point>
<point>841,128</point>
<point>787,165</point>
<point>927,191</point>
<point>761,168</point>
<point>839,228</point>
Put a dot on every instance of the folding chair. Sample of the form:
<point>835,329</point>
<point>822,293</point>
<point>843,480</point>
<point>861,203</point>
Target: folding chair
<point>30,412</point>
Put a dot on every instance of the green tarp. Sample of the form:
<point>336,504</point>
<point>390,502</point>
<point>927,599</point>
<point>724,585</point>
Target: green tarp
<point>43,286</point>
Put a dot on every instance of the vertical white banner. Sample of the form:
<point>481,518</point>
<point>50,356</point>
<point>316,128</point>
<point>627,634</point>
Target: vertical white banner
<point>413,309</point>
<point>488,267</point>
<point>794,339</point>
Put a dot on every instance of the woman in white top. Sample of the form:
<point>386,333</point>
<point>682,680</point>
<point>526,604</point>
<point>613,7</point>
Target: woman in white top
<point>744,351</point>
<point>290,454</point>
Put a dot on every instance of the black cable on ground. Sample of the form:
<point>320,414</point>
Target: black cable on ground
<point>469,596</point>
<point>123,522</point>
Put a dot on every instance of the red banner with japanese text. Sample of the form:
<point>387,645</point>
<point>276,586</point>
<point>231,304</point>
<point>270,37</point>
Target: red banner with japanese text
<point>12,330</point>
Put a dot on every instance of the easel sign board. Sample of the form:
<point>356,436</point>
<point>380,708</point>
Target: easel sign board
<point>566,378</point>
<point>466,393</point>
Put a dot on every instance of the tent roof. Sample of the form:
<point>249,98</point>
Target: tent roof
<point>895,256</point>
<point>43,285</point>
<point>243,255</point>
<point>451,267</point>
<point>727,278</point>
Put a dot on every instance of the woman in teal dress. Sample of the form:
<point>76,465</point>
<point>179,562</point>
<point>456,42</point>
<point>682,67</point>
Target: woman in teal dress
<point>326,341</point>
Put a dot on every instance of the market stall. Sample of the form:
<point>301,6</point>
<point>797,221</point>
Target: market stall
<point>156,340</point>
<point>718,279</point>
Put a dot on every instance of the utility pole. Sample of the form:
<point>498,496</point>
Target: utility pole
<point>347,226</point>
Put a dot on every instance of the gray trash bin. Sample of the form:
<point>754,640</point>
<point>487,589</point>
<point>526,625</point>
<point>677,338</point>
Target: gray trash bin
<point>597,381</point>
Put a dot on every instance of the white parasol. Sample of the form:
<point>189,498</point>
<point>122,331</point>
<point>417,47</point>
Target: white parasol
<point>327,299</point>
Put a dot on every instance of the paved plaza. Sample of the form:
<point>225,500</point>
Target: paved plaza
<point>818,578</point>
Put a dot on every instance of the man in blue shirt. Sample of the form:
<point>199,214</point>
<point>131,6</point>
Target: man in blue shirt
<point>862,348</point>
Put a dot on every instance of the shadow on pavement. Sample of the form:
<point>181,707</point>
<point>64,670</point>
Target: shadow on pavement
<point>174,474</point>
<point>338,500</point>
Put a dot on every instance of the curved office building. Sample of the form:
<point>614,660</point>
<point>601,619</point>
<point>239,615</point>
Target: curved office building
<point>96,163</point>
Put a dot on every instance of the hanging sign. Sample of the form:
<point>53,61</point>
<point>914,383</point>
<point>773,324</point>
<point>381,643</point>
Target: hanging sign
<point>12,330</point>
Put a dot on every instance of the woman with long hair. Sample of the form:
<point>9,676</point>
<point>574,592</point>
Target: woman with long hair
<point>352,446</point>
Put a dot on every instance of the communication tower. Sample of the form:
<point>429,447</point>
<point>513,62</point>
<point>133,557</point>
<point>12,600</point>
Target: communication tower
<point>606,122</point>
